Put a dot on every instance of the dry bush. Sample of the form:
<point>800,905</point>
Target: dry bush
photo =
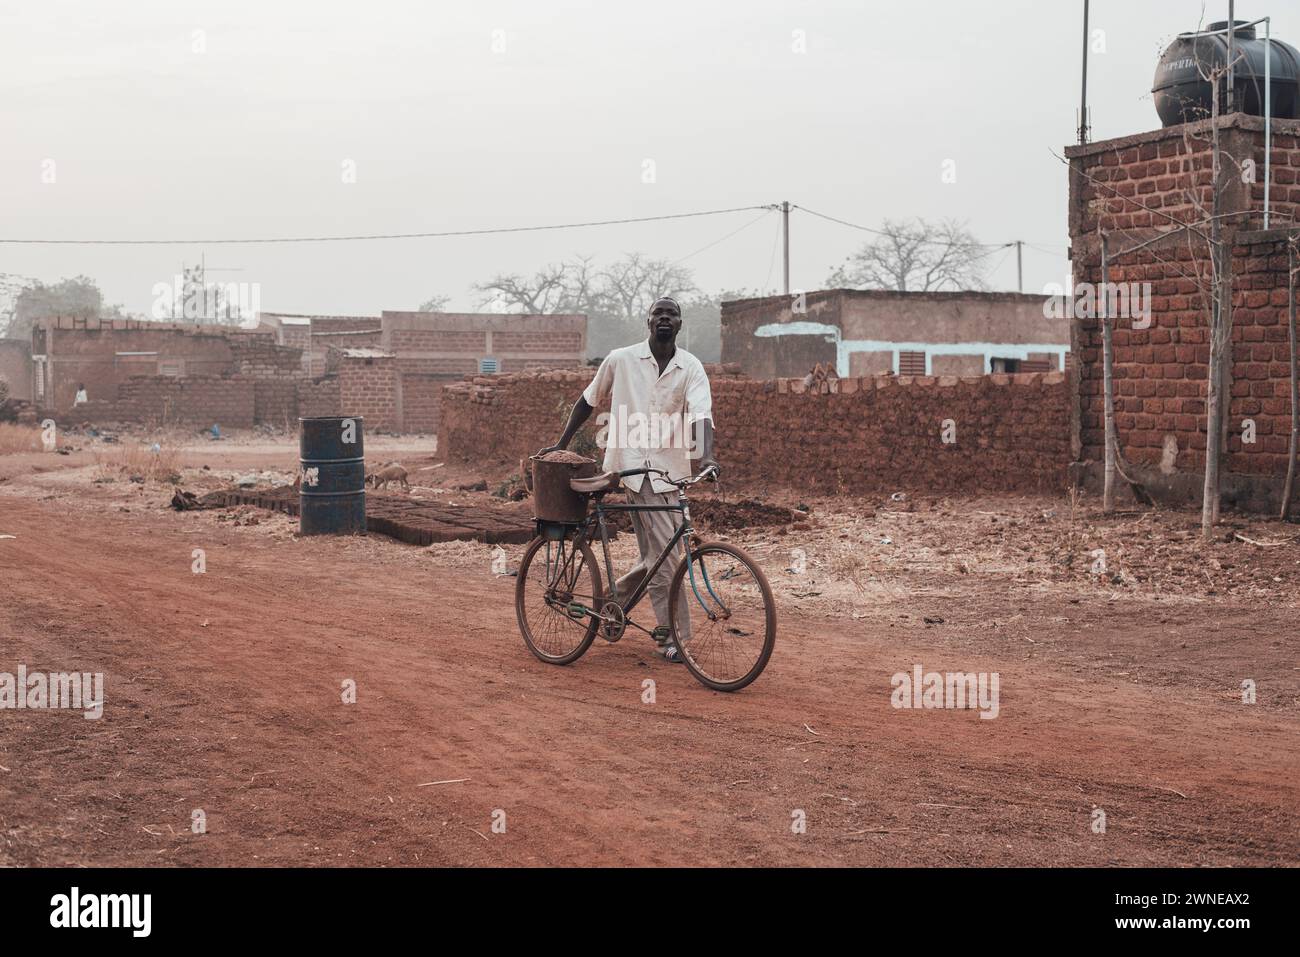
<point>139,461</point>
<point>19,438</point>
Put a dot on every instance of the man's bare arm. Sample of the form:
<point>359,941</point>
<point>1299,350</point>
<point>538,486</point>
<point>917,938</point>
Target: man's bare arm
<point>580,414</point>
<point>702,435</point>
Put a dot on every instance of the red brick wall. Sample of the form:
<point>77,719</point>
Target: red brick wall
<point>438,340</point>
<point>1261,355</point>
<point>539,340</point>
<point>1160,371</point>
<point>319,397</point>
<point>438,365</point>
<point>192,400</point>
<point>369,387</point>
<point>870,434</point>
<point>421,400</point>
<point>275,402</point>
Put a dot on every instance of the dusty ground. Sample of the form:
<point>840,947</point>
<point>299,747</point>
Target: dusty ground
<point>1120,688</point>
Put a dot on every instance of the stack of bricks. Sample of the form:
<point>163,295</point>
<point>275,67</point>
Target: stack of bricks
<point>883,433</point>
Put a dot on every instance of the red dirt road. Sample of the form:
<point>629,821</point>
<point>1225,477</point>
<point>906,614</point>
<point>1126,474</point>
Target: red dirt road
<point>224,694</point>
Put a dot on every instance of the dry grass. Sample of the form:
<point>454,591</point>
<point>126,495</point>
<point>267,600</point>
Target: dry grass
<point>156,462</point>
<point>19,438</point>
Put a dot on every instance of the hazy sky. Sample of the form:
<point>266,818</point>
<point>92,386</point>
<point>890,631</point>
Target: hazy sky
<point>167,119</point>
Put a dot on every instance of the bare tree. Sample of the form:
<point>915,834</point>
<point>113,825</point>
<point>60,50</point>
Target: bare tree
<point>436,303</point>
<point>615,298</point>
<point>917,256</point>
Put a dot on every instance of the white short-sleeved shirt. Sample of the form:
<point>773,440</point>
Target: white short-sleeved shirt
<point>650,416</point>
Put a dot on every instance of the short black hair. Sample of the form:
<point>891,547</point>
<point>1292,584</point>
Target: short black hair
<point>665,299</point>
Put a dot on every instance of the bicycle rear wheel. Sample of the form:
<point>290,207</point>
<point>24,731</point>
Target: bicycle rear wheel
<point>723,616</point>
<point>555,599</point>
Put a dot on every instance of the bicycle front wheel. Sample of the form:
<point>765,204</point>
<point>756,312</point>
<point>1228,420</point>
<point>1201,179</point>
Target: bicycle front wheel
<point>723,616</point>
<point>556,592</point>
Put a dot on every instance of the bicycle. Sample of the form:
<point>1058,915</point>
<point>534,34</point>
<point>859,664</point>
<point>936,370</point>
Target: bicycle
<point>730,630</point>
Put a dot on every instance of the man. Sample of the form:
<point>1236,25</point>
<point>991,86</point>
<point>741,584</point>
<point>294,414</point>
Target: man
<point>659,395</point>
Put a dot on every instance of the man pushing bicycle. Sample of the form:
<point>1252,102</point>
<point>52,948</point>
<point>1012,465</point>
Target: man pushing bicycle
<point>661,410</point>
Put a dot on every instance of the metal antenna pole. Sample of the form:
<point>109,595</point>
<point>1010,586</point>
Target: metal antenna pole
<point>785,232</point>
<point>1083,86</point>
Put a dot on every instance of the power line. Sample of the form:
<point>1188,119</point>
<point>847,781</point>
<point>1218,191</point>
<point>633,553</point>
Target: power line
<point>881,232</point>
<point>361,238</point>
<point>767,211</point>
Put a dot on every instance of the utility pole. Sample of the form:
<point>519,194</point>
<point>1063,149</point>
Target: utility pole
<point>785,232</point>
<point>1020,267</point>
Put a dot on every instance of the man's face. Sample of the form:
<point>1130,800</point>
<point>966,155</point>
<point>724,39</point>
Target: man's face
<point>665,321</point>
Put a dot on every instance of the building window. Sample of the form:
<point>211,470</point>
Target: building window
<point>911,363</point>
<point>487,366</point>
<point>1004,365</point>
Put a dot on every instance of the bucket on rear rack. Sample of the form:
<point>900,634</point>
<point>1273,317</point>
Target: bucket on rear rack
<point>553,500</point>
<point>333,489</point>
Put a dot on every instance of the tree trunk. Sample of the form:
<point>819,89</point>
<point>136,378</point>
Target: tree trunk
<point>1295,382</point>
<point>1213,400</point>
<point>1107,382</point>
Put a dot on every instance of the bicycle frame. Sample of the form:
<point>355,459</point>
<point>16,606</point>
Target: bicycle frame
<point>595,522</point>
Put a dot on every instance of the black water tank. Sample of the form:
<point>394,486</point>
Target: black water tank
<point>333,491</point>
<point>1182,95</point>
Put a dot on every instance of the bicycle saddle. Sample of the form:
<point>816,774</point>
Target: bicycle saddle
<point>604,482</point>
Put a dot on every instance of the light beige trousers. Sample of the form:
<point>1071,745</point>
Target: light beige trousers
<point>654,530</point>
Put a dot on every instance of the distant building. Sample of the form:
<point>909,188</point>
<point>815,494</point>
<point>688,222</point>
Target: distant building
<point>448,344</point>
<point>873,332</point>
<point>102,354</point>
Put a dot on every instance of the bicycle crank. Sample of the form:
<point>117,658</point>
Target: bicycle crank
<point>612,621</point>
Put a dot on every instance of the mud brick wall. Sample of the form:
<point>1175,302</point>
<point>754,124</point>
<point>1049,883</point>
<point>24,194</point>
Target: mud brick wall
<point>421,400</point>
<point>275,402</point>
<point>190,400</point>
<point>371,387</point>
<point>261,356</point>
<point>319,397</point>
<point>857,434</point>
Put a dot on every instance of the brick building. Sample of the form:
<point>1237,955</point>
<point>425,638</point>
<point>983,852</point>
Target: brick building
<point>103,354</point>
<point>1135,188</point>
<point>869,332</point>
<point>391,368</point>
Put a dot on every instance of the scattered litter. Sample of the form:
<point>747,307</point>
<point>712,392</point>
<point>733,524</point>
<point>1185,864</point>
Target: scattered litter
<point>429,784</point>
<point>810,730</point>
